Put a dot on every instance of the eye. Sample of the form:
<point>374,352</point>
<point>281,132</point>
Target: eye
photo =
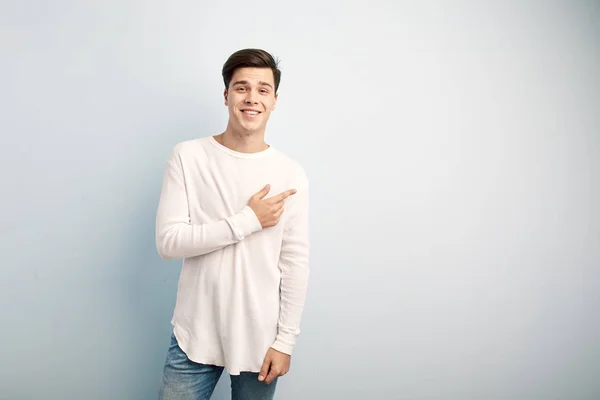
<point>241,89</point>
<point>264,91</point>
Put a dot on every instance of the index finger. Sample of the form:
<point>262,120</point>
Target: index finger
<point>271,376</point>
<point>282,196</point>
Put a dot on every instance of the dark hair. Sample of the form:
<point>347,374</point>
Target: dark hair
<point>250,58</point>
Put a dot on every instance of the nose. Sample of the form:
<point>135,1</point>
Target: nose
<point>250,98</point>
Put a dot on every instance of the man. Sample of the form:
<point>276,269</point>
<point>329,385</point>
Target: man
<point>236,210</point>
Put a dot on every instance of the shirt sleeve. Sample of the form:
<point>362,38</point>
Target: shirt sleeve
<point>177,238</point>
<point>293,264</point>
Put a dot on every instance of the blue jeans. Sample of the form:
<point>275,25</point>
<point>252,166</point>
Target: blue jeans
<point>184,379</point>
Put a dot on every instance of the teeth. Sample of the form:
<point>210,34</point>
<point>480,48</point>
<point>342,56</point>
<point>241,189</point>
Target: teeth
<point>251,112</point>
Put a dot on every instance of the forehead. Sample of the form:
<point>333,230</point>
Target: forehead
<point>253,75</point>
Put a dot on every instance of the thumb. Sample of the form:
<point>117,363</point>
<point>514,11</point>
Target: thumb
<point>261,193</point>
<point>264,370</point>
<point>264,191</point>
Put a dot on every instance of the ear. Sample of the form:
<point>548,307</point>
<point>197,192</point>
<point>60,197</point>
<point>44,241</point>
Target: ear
<point>225,96</point>
<point>275,103</point>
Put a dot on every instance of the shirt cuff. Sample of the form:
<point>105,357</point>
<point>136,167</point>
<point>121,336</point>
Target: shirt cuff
<point>284,345</point>
<point>244,223</point>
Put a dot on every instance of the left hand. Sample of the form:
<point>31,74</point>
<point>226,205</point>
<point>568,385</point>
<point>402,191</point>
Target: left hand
<point>276,364</point>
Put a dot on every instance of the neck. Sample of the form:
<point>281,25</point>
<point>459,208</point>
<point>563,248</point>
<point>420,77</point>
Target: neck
<point>243,142</point>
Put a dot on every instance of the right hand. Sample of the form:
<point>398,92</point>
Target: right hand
<point>269,210</point>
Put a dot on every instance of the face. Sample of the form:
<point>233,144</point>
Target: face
<point>250,99</point>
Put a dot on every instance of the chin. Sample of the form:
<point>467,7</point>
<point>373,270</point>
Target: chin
<point>250,128</point>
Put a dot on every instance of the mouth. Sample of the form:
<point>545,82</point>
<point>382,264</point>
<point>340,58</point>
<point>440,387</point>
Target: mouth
<point>250,113</point>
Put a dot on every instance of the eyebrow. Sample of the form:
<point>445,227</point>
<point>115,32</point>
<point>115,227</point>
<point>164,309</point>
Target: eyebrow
<point>260,83</point>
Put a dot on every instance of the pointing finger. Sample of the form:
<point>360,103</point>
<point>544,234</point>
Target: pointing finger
<point>284,195</point>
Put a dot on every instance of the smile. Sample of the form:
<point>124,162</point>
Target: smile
<point>250,113</point>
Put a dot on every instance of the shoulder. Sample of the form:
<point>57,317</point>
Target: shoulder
<point>191,146</point>
<point>189,150</point>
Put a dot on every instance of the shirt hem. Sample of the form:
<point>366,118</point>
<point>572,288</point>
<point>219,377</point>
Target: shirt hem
<point>208,361</point>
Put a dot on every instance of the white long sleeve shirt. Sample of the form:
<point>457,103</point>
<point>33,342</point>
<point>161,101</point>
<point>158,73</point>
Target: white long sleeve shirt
<point>242,288</point>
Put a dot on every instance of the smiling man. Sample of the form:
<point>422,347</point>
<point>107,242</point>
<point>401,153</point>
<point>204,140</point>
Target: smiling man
<point>236,211</point>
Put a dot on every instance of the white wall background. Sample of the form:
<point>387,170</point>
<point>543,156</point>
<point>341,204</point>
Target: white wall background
<point>453,150</point>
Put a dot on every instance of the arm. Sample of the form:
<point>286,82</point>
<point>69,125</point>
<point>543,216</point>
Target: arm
<point>177,238</point>
<point>293,264</point>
